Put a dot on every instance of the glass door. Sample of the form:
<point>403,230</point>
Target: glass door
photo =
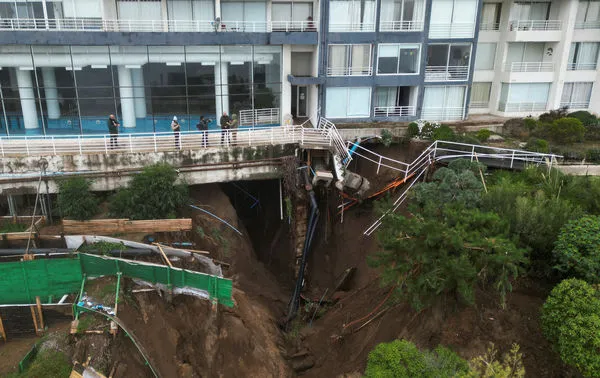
<point>302,98</point>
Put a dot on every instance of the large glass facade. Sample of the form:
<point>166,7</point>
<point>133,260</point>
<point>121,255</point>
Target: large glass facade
<point>73,89</point>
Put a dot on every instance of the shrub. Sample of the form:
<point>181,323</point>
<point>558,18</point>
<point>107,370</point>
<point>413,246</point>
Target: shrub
<point>427,129</point>
<point>553,115</point>
<point>468,139</point>
<point>483,135</point>
<point>593,155</point>
<point>571,321</point>
<point>489,366</point>
<point>75,200</point>
<point>413,130</point>
<point>444,132</point>
<point>577,250</point>
<point>586,118</point>
<point>516,127</point>
<point>571,155</point>
<point>564,130</point>
<point>386,137</point>
<point>152,194</point>
<point>530,123</point>
<point>537,145</point>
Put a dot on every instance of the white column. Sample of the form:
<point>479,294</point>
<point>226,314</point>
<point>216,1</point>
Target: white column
<point>127,98</point>
<point>30,118</point>
<point>217,8</point>
<point>51,93</point>
<point>286,86</point>
<point>137,78</point>
<point>221,89</point>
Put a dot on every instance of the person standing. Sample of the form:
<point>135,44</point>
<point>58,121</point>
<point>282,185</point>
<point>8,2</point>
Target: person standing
<point>224,122</point>
<point>233,125</point>
<point>176,131</point>
<point>203,127</point>
<point>113,130</point>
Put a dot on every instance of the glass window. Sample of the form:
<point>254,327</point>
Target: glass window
<point>453,18</point>
<point>348,102</point>
<point>398,15</point>
<point>490,16</point>
<point>398,59</point>
<point>523,97</point>
<point>583,56</point>
<point>576,95</point>
<point>480,95</point>
<point>485,56</point>
<point>346,60</point>
<point>351,15</point>
<point>588,15</point>
<point>443,103</point>
<point>138,9</point>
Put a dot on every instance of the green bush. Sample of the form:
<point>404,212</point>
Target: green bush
<point>152,194</point>
<point>75,200</point>
<point>563,130</point>
<point>530,123</point>
<point>593,155</point>
<point>577,250</point>
<point>586,118</point>
<point>553,115</point>
<point>402,359</point>
<point>428,129</point>
<point>386,137</point>
<point>516,127</point>
<point>570,154</point>
<point>483,135</point>
<point>413,130</point>
<point>49,363</point>
<point>444,132</point>
<point>537,145</point>
<point>571,321</point>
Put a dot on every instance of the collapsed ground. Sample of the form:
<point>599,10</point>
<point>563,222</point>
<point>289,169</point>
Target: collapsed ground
<point>186,338</point>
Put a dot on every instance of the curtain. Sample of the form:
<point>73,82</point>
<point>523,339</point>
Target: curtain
<point>85,8</point>
<point>136,10</point>
<point>339,13</point>
<point>485,56</point>
<point>336,102</point>
<point>359,102</point>
<point>388,10</point>
<point>180,10</point>
<point>441,11</point>
<point>369,14</point>
<point>533,52</point>
<point>338,58</point>
<point>433,97</point>
<point>488,13</point>
<point>480,92</point>
<point>301,11</point>
<point>419,10</point>
<point>255,11</point>
<point>232,11</point>
<point>576,92</point>
<point>361,55</point>
<point>582,8</point>
<point>566,93</point>
<point>385,96</point>
<point>203,10</point>
<point>455,97</point>
<point>588,53</point>
<point>539,11</point>
<point>281,11</point>
<point>593,11</point>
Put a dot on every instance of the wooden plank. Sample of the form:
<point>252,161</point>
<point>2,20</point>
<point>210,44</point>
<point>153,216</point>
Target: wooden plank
<point>17,235</point>
<point>39,308</point>
<point>112,226</point>
<point>163,254</point>
<point>2,331</point>
<point>35,323</point>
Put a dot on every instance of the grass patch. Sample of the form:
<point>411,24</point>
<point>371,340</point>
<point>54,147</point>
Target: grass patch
<point>102,248</point>
<point>12,227</point>
<point>48,363</point>
<point>85,323</point>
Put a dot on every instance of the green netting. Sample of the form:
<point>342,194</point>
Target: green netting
<point>21,282</point>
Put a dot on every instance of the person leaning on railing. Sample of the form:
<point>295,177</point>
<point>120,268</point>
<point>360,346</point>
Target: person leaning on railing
<point>233,125</point>
<point>224,123</point>
<point>203,127</point>
<point>113,130</point>
<point>176,131</point>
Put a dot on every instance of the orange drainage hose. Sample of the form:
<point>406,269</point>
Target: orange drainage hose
<point>374,310</point>
<point>394,184</point>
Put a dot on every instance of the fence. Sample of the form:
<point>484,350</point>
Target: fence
<point>537,25</point>
<point>114,226</point>
<point>395,111</point>
<point>529,67</point>
<point>23,281</point>
<point>395,26</point>
<point>258,117</point>
<point>452,30</point>
<point>446,73</point>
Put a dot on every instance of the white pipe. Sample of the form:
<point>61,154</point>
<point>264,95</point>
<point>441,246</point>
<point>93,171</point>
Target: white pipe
<point>30,118</point>
<point>49,79</point>
<point>127,99</point>
<point>137,77</point>
<point>221,89</point>
<point>63,299</point>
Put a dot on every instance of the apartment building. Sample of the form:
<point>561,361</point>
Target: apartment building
<point>533,56</point>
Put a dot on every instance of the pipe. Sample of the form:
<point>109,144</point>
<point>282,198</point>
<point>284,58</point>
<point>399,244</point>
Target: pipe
<point>214,216</point>
<point>45,251</point>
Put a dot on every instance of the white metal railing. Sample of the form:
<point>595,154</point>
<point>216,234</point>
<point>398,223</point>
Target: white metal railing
<point>328,129</point>
<point>254,117</point>
<point>97,24</point>
<point>349,71</point>
<point>352,27</point>
<point>575,105</point>
<point>395,111</point>
<point>443,150</point>
<point>490,26</point>
<point>452,30</point>
<point>588,25</point>
<point>529,67</point>
<point>479,104</point>
<point>581,66</point>
<point>446,73</point>
<point>526,25</point>
<point>442,113</point>
<point>521,106</point>
<point>15,146</point>
<point>400,26</point>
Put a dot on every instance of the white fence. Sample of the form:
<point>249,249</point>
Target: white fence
<point>442,113</point>
<point>452,30</point>
<point>538,25</point>
<point>400,26</point>
<point>530,67</point>
<point>329,131</point>
<point>575,105</point>
<point>349,71</point>
<point>588,25</point>
<point>521,106</point>
<point>257,117</point>
<point>489,26</point>
<point>395,111</point>
<point>352,27</point>
<point>446,73</point>
<point>581,66</point>
<point>97,25</point>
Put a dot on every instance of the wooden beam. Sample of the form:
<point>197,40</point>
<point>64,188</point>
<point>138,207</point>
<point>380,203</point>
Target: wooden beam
<point>2,332</point>
<point>163,254</point>
<point>185,249</point>
<point>41,316</point>
<point>35,323</point>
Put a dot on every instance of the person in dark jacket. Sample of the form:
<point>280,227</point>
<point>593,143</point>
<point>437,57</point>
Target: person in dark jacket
<point>224,122</point>
<point>113,130</point>
<point>176,130</point>
<point>203,126</point>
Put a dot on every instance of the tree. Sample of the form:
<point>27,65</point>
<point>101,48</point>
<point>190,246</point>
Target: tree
<point>402,359</point>
<point>489,366</point>
<point>571,321</point>
<point>577,250</point>
<point>75,200</point>
<point>152,194</point>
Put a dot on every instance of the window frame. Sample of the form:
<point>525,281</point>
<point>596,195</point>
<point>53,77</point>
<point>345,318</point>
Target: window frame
<point>349,47</point>
<point>399,45</point>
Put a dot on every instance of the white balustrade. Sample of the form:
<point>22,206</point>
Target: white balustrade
<point>530,67</point>
<point>538,25</point>
<point>521,106</point>
<point>401,26</point>
<point>452,30</point>
<point>349,71</point>
<point>446,73</point>
<point>395,111</point>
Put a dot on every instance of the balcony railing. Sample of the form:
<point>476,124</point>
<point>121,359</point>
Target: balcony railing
<point>400,26</point>
<point>352,27</point>
<point>454,30</point>
<point>490,26</point>
<point>529,67</point>
<point>395,111</point>
<point>97,25</point>
<point>581,66</point>
<point>349,71</point>
<point>446,73</point>
<point>479,104</point>
<point>521,106</point>
<point>588,25</point>
<point>575,105</point>
<point>442,114</point>
<point>526,25</point>
<point>259,117</point>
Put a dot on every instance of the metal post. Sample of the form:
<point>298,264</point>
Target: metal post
<point>53,145</point>
<point>155,148</point>
<point>280,201</point>
<point>379,164</point>
<point>79,144</point>
<point>472,153</point>
<point>512,159</point>
<point>105,146</point>
<point>130,144</point>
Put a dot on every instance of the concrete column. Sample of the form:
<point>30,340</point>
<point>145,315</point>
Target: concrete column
<point>51,93</point>
<point>137,78</point>
<point>221,89</point>
<point>217,8</point>
<point>286,86</point>
<point>127,98</point>
<point>30,118</point>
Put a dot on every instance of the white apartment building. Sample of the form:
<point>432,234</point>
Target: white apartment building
<point>534,56</point>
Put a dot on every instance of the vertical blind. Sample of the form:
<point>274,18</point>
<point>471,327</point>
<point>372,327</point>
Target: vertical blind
<point>576,93</point>
<point>351,13</point>
<point>348,102</point>
<point>402,10</point>
<point>485,56</point>
<point>584,55</point>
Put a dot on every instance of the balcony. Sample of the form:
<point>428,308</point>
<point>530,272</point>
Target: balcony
<point>349,71</point>
<point>534,25</point>
<point>521,107</point>
<point>581,66</point>
<point>575,105</point>
<point>454,30</point>
<point>442,114</point>
<point>588,25</point>
<point>534,30</point>
<point>529,67</point>
<point>395,111</point>
<point>353,27</point>
<point>401,26</point>
<point>493,26</point>
<point>479,104</point>
<point>446,73</point>
<point>99,25</point>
